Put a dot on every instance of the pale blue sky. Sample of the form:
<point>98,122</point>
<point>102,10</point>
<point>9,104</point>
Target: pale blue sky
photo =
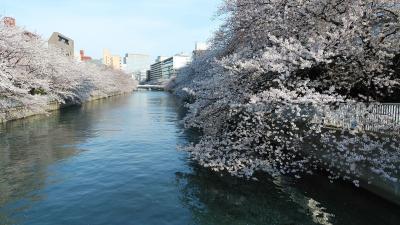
<point>156,27</point>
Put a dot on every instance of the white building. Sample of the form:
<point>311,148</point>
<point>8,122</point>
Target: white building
<point>165,69</point>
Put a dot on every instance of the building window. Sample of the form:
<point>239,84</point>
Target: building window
<point>64,40</point>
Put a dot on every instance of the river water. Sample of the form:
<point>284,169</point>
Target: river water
<point>115,162</point>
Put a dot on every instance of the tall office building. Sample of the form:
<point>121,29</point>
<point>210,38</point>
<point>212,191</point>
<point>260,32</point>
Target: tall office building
<point>112,61</point>
<point>155,69</point>
<point>107,58</point>
<point>116,62</point>
<point>137,65</point>
<point>172,65</point>
<point>165,69</point>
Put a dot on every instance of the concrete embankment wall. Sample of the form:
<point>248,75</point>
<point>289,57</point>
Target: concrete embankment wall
<point>386,188</point>
<point>24,112</point>
<point>381,186</point>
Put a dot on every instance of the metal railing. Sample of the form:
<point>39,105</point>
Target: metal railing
<point>376,117</point>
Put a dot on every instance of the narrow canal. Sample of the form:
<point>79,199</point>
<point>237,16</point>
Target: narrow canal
<point>115,162</point>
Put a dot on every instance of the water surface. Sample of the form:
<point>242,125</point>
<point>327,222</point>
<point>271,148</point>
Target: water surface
<point>115,161</point>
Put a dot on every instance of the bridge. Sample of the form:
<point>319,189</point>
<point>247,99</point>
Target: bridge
<point>151,87</point>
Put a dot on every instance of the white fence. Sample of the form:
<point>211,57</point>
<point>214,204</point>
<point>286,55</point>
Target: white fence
<point>376,117</point>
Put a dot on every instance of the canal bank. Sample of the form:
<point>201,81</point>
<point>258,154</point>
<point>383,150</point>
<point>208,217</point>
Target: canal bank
<point>24,112</point>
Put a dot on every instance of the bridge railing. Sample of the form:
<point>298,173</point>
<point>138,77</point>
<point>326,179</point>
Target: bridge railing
<point>152,87</point>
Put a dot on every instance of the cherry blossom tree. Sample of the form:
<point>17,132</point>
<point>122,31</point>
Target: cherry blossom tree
<point>32,74</point>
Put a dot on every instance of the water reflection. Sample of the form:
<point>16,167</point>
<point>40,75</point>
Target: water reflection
<point>29,146</point>
<point>216,199</point>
